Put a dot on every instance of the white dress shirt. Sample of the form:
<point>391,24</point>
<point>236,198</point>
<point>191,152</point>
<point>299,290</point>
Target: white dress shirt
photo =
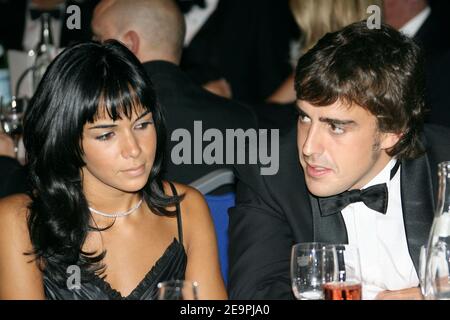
<point>196,18</point>
<point>381,238</point>
<point>32,33</point>
<point>412,26</point>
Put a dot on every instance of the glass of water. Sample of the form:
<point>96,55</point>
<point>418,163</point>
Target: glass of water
<point>312,265</point>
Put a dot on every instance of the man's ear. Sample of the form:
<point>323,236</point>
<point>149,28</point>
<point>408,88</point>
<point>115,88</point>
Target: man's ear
<point>132,41</point>
<point>390,139</point>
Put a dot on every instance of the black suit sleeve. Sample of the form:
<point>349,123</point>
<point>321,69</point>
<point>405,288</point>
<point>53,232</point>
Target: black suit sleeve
<point>13,177</point>
<point>259,247</point>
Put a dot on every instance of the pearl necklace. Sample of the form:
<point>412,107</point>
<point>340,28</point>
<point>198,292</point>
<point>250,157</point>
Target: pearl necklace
<point>117,214</point>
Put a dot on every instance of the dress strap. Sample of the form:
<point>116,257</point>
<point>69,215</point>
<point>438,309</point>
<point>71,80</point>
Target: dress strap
<point>180,227</point>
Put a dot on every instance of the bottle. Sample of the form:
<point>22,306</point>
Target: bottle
<point>5,92</point>
<point>45,50</point>
<point>439,237</point>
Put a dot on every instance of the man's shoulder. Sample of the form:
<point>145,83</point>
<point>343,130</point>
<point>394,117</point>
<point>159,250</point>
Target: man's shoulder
<point>437,133</point>
<point>437,140</point>
<point>176,90</point>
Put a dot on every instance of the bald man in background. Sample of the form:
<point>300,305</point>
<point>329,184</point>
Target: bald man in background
<point>154,31</point>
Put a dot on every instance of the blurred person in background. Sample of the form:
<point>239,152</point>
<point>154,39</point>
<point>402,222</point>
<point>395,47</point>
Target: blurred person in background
<point>242,49</point>
<point>13,178</point>
<point>427,23</point>
<point>20,27</point>
<point>315,18</point>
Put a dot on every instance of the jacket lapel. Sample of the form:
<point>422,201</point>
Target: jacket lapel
<point>417,203</point>
<point>328,229</point>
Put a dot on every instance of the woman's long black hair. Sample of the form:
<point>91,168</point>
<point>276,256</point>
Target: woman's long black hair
<point>80,80</point>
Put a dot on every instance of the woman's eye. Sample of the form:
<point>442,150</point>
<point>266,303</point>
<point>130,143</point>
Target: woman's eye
<point>143,125</point>
<point>105,136</point>
<point>336,129</point>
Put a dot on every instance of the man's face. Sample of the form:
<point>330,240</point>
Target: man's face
<point>340,147</point>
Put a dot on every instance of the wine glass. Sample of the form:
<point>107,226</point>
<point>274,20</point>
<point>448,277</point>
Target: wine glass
<point>347,282</point>
<point>312,265</point>
<point>11,114</point>
<point>439,272</point>
<point>178,290</point>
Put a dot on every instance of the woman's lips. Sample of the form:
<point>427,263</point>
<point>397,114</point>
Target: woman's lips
<point>134,172</point>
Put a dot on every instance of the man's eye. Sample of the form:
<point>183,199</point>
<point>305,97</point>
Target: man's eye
<point>335,129</point>
<point>105,136</point>
<point>303,118</point>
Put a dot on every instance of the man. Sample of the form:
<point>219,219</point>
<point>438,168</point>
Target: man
<point>20,27</point>
<point>246,44</point>
<point>154,31</point>
<point>13,178</point>
<point>426,22</point>
<point>359,97</point>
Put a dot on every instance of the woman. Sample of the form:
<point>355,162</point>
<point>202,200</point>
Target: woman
<point>94,137</point>
<point>315,18</point>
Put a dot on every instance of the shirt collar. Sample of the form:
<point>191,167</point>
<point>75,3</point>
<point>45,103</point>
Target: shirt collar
<point>384,176</point>
<point>412,26</point>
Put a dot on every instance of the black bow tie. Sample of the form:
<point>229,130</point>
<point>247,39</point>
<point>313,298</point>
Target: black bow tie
<point>36,13</point>
<point>374,197</point>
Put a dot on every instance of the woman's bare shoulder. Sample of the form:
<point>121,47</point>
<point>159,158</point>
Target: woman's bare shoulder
<point>192,197</point>
<point>14,208</point>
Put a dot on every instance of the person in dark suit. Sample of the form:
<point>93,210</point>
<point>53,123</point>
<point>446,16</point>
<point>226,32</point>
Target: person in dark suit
<point>426,22</point>
<point>154,33</point>
<point>246,43</point>
<point>15,13</point>
<point>13,176</point>
<point>358,169</point>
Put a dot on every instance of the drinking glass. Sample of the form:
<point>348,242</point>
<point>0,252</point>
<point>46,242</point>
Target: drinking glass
<point>422,270</point>
<point>312,265</point>
<point>11,114</point>
<point>178,290</point>
<point>438,273</point>
<point>347,281</point>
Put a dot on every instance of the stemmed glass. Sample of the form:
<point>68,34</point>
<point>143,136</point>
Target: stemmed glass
<point>11,114</point>
<point>178,290</point>
<point>312,265</point>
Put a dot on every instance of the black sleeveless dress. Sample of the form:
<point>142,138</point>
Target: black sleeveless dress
<point>170,266</point>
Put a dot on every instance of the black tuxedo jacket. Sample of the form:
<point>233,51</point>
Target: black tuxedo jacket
<point>274,212</point>
<point>247,43</point>
<point>184,102</point>
<point>13,177</point>
<point>12,23</point>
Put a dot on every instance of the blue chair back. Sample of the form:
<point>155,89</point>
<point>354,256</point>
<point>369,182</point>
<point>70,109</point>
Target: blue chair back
<point>218,205</point>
